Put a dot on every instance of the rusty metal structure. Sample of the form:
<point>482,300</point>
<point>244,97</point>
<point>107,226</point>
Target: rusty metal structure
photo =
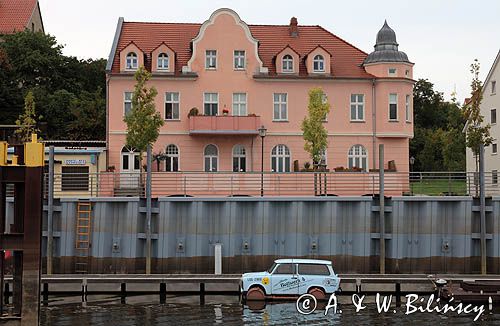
<point>21,235</point>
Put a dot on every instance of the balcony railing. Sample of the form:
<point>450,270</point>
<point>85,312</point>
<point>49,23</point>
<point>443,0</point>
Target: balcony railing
<point>222,184</point>
<point>224,125</point>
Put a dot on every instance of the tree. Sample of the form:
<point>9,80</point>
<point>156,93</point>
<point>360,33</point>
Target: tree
<point>27,121</point>
<point>34,61</point>
<point>143,121</point>
<point>89,111</point>
<point>438,143</point>
<point>477,133</point>
<point>314,133</point>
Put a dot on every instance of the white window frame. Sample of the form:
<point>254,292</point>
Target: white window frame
<point>357,105</point>
<point>319,60</point>
<point>280,104</point>
<point>392,72</point>
<point>494,177</point>
<point>211,101</point>
<point>281,166</point>
<point>239,60</point>
<point>161,60</point>
<point>211,157</point>
<point>285,61</point>
<point>239,155</point>
<point>238,104</point>
<point>493,151</point>
<point>170,157</point>
<point>392,102</point>
<point>211,59</point>
<point>131,61</point>
<point>491,114</point>
<point>126,101</point>
<point>493,87</point>
<point>173,102</point>
<point>407,107</point>
<point>361,155</point>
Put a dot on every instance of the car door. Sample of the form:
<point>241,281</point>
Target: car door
<point>284,280</point>
<point>314,275</point>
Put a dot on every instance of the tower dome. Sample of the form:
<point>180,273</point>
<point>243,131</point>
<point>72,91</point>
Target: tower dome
<point>386,47</point>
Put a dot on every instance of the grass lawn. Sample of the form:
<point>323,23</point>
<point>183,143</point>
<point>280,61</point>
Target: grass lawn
<point>438,187</point>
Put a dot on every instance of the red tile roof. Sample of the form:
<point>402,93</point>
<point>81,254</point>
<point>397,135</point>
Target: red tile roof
<point>15,15</point>
<point>346,59</point>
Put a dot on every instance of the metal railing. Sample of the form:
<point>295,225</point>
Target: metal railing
<point>109,184</point>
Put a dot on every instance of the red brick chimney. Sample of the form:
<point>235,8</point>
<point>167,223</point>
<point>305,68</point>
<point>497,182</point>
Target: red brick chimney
<point>294,30</point>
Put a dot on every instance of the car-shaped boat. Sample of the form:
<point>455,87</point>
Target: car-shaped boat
<point>291,277</point>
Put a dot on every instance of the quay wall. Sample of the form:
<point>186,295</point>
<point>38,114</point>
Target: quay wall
<point>423,234</point>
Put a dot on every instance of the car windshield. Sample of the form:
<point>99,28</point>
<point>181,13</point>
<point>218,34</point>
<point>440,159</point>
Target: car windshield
<point>271,268</point>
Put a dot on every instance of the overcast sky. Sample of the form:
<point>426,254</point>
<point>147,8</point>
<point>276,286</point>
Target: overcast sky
<point>442,37</point>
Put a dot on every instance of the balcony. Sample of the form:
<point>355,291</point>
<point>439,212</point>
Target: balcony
<point>224,125</point>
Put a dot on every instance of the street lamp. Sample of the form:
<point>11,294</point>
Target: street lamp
<point>412,161</point>
<point>262,134</point>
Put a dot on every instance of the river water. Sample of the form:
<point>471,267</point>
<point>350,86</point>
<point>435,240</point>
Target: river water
<point>227,310</point>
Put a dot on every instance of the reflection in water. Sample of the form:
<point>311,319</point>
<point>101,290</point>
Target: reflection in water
<point>227,310</point>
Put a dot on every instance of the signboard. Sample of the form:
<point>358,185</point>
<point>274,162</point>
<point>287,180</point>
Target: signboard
<point>76,162</point>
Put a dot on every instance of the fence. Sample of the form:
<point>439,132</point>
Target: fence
<point>224,184</point>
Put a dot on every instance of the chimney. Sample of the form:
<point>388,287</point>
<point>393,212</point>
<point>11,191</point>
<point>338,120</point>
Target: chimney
<point>294,29</point>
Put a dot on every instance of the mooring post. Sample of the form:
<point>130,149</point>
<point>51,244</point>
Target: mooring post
<point>382,208</point>
<point>50,211</point>
<point>148,211</point>
<point>482,203</point>
<point>398,294</point>
<point>202,293</point>
<point>163,292</point>
<point>218,258</point>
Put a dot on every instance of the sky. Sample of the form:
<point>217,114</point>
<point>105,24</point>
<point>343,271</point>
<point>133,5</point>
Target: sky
<point>442,37</point>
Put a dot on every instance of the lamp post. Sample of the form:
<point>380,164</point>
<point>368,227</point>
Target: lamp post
<point>412,161</point>
<point>262,134</point>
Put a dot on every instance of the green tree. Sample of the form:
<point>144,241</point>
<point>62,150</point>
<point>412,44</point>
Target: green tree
<point>27,121</point>
<point>314,133</point>
<point>34,61</point>
<point>477,132</point>
<point>89,112</point>
<point>143,121</point>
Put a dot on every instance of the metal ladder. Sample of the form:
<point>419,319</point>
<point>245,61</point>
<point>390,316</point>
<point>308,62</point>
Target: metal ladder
<point>82,239</point>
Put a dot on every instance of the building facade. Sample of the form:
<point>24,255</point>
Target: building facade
<point>242,77</point>
<point>490,106</point>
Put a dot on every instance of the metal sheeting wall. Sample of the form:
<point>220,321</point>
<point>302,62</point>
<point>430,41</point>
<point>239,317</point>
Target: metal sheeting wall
<point>423,234</point>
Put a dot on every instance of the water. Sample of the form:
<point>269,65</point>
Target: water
<point>227,310</point>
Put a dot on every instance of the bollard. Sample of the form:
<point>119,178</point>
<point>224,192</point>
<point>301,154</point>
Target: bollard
<point>218,258</point>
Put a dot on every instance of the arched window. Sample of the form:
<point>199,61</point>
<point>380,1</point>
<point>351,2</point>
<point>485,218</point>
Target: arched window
<point>287,63</point>
<point>239,158</point>
<point>163,61</point>
<point>211,154</point>
<point>280,159</point>
<point>357,157</point>
<point>319,63</point>
<point>172,162</point>
<point>132,60</point>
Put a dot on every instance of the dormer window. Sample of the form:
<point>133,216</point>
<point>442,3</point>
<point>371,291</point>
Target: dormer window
<point>319,63</point>
<point>163,61</point>
<point>131,61</point>
<point>287,63</point>
<point>392,72</point>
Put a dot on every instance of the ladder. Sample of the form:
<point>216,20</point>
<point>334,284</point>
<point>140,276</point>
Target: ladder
<point>82,239</point>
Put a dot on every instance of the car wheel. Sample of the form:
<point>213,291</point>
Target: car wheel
<point>256,293</point>
<point>318,293</point>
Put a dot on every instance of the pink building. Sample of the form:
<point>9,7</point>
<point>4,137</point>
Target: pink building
<point>241,77</point>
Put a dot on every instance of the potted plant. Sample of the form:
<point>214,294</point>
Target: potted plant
<point>225,111</point>
<point>251,115</point>
<point>193,112</point>
<point>110,168</point>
